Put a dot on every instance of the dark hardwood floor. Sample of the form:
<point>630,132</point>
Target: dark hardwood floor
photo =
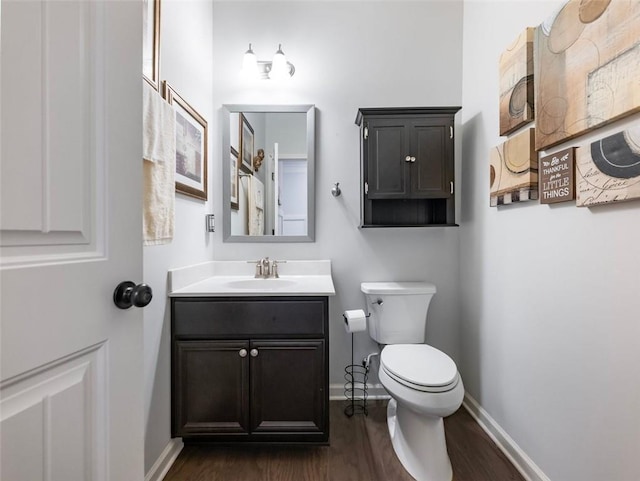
<point>360,451</point>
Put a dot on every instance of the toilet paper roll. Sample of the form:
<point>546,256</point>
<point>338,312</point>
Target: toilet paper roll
<point>355,320</point>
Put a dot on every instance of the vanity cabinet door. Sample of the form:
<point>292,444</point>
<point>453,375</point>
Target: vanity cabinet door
<point>211,388</point>
<point>288,394</point>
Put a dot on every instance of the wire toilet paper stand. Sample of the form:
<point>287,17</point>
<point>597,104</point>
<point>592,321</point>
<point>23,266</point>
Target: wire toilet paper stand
<point>355,387</point>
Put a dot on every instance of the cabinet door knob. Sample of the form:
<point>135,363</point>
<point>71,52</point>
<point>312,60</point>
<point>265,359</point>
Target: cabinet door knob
<point>254,352</point>
<point>413,159</point>
<point>407,158</point>
<point>242,353</point>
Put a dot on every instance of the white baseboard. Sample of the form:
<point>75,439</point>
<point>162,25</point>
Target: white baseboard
<point>523,463</point>
<point>374,391</point>
<point>161,467</point>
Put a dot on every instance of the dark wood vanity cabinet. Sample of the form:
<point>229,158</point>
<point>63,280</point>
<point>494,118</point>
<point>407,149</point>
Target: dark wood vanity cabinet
<point>250,369</point>
<point>407,166</point>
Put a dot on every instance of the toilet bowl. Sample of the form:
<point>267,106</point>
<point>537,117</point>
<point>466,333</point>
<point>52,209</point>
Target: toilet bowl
<point>425,387</point>
<point>423,381</point>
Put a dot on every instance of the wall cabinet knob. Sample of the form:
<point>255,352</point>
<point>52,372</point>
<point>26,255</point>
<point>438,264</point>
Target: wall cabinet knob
<point>254,352</point>
<point>242,353</point>
<point>407,158</point>
<point>413,159</point>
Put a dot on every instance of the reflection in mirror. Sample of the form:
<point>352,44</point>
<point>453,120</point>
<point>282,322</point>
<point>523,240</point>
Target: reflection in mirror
<point>269,175</point>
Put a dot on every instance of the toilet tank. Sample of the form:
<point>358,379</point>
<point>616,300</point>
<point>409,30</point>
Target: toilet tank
<point>398,310</point>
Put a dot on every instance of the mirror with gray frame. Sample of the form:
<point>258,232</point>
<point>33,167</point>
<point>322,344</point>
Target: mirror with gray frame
<point>268,167</point>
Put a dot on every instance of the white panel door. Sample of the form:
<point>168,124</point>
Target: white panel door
<point>71,404</point>
<point>276,190</point>
<point>293,196</point>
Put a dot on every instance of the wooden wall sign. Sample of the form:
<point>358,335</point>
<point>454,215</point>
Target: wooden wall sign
<point>516,83</point>
<point>587,65</point>
<point>514,170</point>
<point>608,170</point>
<point>557,177</point>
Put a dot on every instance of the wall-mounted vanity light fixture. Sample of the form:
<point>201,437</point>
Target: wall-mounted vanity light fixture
<point>277,69</point>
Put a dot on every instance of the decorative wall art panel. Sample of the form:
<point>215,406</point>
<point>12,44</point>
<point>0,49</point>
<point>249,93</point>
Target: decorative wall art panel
<point>514,170</point>
<point>557,177</point>
<point>587,68</point>
<point>516,83</point>
<point>608,170</point>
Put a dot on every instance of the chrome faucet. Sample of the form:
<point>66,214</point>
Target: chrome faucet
<point>266,269</point>
<point>274,269</point>
<point>262,268</point>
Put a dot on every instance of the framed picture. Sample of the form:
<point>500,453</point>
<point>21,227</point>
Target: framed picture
<point>151,42</point>
<point>234,178</point>
<point>246,142</point>
<point>191,146</point>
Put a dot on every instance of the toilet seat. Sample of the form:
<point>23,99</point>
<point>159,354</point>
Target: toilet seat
<point>420,367</point>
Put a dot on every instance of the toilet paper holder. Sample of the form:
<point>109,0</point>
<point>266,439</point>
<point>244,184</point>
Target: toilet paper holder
<point>366,315</point>
<point>355,375</point>
<point>355,387</point>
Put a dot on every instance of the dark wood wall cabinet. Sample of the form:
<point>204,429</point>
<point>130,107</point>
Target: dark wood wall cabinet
<point>250,369</point>
<point>407,166</point>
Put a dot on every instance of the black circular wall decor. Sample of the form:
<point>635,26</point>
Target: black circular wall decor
<point>613,156</point>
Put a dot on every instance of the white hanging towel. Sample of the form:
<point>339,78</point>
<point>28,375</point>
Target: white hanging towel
<point>159,165</point>
<point>256,206</point>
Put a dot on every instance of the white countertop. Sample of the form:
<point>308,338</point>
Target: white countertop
<point>236,278</point>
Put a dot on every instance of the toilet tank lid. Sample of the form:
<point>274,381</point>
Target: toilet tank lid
<point>408,287</point>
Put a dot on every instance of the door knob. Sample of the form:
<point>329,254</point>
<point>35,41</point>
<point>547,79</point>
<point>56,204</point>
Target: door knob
<point>242,353</point>
<point>254,352</point>
<point>129,294</point>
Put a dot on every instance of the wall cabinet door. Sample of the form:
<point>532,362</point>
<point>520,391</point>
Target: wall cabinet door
<point>288,380</point>
<point>409,159</point>
<point>387,149</point>
<point>432,148</point>
<point>211,387</point>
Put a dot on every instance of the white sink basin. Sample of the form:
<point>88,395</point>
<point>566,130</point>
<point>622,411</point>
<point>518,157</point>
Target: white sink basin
<point>261,284</point>
<point>236,279</point>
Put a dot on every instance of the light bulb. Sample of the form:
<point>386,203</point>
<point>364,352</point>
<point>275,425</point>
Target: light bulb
<point>279,67</point>
<point>250,64</point>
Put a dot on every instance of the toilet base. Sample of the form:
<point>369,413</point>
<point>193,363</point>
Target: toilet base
<point>419,443</point>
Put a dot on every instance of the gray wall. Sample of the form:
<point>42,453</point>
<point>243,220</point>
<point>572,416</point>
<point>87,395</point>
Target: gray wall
<point>186,63</point>
<point>556,371</point>
<point>347,55</point>
<point>550,338</point>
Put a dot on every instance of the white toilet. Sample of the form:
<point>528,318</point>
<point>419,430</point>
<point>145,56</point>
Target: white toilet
<point>423,382</point>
